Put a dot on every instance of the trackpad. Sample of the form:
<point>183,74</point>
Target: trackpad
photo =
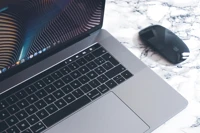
<point>107,115</point>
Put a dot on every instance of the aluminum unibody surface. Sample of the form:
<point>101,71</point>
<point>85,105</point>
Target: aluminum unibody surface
<point>146,94</point>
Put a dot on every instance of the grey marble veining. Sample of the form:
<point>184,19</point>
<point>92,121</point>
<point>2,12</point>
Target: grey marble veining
<point>124,18</point>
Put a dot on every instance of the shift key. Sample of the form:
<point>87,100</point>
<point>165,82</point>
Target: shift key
<point>115,71</point>
<point>59,115</point>
<point>39,127</point>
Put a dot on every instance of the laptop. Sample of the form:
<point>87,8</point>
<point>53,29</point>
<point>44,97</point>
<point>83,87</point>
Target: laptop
<point>62,73</point>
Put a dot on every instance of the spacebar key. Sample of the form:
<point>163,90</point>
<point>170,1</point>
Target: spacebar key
<point>51,120</point>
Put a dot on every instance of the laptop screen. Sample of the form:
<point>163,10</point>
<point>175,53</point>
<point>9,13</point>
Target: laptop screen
<point>31,28</point>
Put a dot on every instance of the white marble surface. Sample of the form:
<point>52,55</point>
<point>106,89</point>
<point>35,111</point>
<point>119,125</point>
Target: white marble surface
<point>124,18</point>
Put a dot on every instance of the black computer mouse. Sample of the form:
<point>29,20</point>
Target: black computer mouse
<point>165,42</point>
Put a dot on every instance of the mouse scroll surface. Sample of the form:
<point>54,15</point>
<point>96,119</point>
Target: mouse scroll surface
<point>152,38</point>
<point>165,42</point>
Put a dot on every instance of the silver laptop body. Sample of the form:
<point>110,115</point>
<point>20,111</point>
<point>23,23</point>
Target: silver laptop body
<point>139,105</point>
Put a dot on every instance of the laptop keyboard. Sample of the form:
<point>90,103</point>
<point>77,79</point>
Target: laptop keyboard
<point>58,92</point>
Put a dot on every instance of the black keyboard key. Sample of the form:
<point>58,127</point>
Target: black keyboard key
<point>42,114</point>
<point>84,79</point>
<point>115,71</point>
<point>23,125</point>
<point>56,75</point>
<point>100,70</point>
<point>48,80</point>
<point>99,52</point>
<point>81,61</point>
<point>109,58</point>
<point>38,128</point>
<point>21,115</point>
<point>67,79</point>
<point>103,88</point>
<point>67,89</point>
<point>49,99</point>
<point>27,131</point>
<point>12,99</point>
<point>3,126</point>
<point>39,84</point>
<point>12,120</point>
<point>41,93</point>
<point>73,66</point>
<point>21,94</point>
<point>58,84</point>
<point>75,84</point>
<point>91,65</point>
<point>58,94</point>
<point>92,75</point>
<point>31,109</point>
<point>94,83</point>
<point>51,109</point>
<point>50,89</point>
<point>99,61</point>
<point>60,103</point>
<point>69,98</point>
<point>86,88</point>
<point>51,120</point>
<point>127,74</point>
<point>83,70</point>
<point>102,78</point>
<point>65,70</point>
<point>13,129</point>
<point>40,104</point>
<point>31,89</point>
<point>94,94</point>
<point>13,109</point>
<point>75,74</point>
<point>32,119</point>
<point>77,93</point>
<point>89,57</point>
<point>22,104</point>
<point>111,84</point>
<point>3,104</point>
<point>4,114</point>
<point>108,65</point>
<point>32,98</point>
<point>119,79</point>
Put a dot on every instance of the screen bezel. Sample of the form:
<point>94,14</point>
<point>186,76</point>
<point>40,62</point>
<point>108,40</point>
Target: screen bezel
<point>52,51</point>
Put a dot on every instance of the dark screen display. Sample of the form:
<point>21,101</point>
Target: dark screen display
<point>29,28</point>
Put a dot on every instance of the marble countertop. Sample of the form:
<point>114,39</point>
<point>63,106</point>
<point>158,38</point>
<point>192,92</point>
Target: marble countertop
<point>124,18</point>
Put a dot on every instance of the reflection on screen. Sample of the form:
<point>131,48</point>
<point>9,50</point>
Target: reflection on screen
<point>29,28</point>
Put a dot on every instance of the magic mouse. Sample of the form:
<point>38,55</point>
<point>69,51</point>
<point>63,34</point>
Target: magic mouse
<point>165,42</point>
